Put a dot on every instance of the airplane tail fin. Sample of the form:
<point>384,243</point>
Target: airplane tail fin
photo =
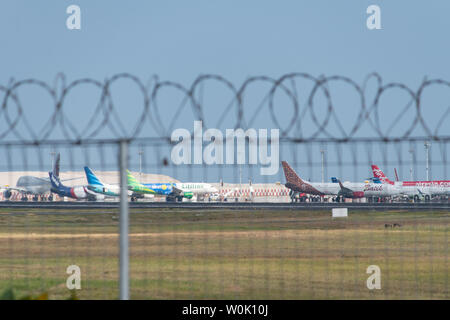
<point>91,177</point>
<point>378,173</point>
<point>56,183</point>
<point>131,179</point>
<point>290,174</point>
<point>56,165</point>
<point>334,180</point>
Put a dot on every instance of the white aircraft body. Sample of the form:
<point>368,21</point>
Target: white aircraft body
<point>196,187</point>
<point>345,190</point>
<point>415,189</point>
<point>189,190</point>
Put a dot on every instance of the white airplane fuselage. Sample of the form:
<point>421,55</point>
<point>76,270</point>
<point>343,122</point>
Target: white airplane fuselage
<point>361,189</point>
<point>196,187</point>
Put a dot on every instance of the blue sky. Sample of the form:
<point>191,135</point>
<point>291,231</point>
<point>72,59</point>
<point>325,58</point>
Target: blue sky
<point>178,40</point>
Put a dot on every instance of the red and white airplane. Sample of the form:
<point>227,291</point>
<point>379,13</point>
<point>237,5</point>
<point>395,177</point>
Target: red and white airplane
<point>340,190</point>
<point>415,189</point>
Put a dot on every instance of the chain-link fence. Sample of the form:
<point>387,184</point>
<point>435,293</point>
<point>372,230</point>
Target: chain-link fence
<point>203,224</point>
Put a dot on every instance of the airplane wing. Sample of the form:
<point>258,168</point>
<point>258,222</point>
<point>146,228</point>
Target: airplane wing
<point>19,189</point>
<point>342,186</point>
<point>72,179</point>
<point>176,190</point>
<point>421,192</point>
<point>345,192</point>
<point>47,179</point>
<point>180,192</point>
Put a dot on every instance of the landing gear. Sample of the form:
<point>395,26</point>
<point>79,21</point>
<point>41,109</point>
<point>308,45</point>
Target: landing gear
<point>176,199</point>
<point>375,199</point>
<point>427,198</point>
<point>416,198</point>
<point>292,196</point>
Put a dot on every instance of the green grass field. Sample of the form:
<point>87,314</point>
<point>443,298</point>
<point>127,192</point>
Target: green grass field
<point>228,254</point>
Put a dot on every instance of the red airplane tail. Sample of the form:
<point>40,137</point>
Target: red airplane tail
<point>294,182</point>
<point>378,173</point>
<point>291,176</point>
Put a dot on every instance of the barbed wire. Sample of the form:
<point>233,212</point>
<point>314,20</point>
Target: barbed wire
<point>325,126</point>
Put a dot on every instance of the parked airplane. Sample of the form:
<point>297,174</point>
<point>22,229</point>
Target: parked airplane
<point>191,189</point>
<point>340,190</point>
<point>95,185</point>
<point>172,191</point>
<point>136,189</point>
<point>415,189</point>
<point>77,192</point>
<point>36,186</point>
<point>29,185</point>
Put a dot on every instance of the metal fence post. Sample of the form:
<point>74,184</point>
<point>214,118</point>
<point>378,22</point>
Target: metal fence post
<point>124,293</point>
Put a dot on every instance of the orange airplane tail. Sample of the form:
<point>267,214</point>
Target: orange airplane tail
<point>290,174</point>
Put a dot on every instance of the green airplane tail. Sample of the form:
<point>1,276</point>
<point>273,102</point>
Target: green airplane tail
<point>131,179</point>
<point>136,186</point>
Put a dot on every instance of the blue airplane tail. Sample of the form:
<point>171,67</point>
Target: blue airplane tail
<point>56,183</point>
<point>334,180</point>
<point>91,177</point>
<point>59,188</point>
